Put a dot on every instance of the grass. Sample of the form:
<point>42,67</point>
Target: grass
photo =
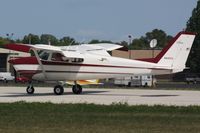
<point>24,117</point>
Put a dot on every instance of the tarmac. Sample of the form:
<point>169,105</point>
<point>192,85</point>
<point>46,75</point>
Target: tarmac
<point>103,96</point>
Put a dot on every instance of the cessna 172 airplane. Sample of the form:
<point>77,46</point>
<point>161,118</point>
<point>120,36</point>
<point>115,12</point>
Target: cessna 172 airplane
<point>85,62</point>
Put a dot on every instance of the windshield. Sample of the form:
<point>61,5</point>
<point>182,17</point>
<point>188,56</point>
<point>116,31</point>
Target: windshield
<point>44,55</point>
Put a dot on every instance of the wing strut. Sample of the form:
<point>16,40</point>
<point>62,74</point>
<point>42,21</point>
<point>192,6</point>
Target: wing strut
<point>40,63</point>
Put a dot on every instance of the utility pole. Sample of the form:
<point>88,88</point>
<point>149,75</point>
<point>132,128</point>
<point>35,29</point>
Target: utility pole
<point>49,42</point>
<point>129,41</point>
<point>29,39</point>
<point>9,37</point>
<point>153,44</point>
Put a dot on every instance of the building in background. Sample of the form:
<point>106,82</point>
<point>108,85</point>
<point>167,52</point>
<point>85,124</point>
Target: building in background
<point>6,55</point>
<point>135,54</point>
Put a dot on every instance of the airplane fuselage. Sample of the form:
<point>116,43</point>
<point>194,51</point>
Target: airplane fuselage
<point>93,67</point>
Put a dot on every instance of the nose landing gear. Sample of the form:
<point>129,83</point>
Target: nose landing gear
<point>30,89</point>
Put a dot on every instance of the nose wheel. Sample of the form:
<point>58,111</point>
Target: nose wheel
<point>30,89</point>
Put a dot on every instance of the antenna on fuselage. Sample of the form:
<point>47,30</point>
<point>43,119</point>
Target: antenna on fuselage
<point>49,42</point>
<point>82,41</point>
<point>71,43</point>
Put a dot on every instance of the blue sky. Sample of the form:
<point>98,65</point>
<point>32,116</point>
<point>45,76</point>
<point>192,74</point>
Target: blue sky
<point>93,19</point>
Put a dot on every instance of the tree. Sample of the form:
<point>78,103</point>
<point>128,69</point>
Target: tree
<point>140,43</point>
<point>31,39</point>
<point>46,38</point>
<point>160,35</point>
<point>95,41</point>
<point>143,42</point>
<point>4,41</point>
<point>193,25</point>
<point>124,43</point>
<point>18,41</point>
<point>67,41</point>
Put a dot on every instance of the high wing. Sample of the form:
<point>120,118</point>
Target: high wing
<point>68,51</point>
<point>93,47</point>
<point>27,47</point>
<point>100,48</point>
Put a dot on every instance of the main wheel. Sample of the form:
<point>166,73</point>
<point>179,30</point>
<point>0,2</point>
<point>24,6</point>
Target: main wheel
<point>77,89</point>
<point>58,90</point>
<point>30,89</point>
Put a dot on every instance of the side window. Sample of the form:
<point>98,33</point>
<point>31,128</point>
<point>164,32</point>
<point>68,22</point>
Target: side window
<point>57,57</point>
<point>45,56</point>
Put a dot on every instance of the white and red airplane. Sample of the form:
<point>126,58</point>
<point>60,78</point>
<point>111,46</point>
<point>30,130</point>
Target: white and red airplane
<point>85,62</point>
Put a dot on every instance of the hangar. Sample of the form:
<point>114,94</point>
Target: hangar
<point>135,54</point>
<point>5,55</point>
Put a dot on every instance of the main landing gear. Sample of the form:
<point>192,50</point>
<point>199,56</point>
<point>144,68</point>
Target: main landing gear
<point>58,89</point>
<point>76,89</point>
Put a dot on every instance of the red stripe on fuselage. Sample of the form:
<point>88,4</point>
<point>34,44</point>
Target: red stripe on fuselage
<point>33,61</point>
<point>28,73</point>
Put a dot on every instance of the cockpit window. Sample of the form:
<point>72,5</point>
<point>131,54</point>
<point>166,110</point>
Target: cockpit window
<point>44,55</point>
<point>57,57</point>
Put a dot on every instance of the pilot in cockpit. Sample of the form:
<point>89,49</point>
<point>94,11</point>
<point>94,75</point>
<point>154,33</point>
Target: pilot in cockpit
<point>57,57</point>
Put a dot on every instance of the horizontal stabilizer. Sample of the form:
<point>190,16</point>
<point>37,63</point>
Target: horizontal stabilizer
<point>85,82</point>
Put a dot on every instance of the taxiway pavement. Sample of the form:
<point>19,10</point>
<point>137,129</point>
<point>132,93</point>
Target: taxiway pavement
<point>103,96</point>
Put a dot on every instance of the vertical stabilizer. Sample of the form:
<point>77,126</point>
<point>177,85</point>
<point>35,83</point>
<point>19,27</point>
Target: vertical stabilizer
<point>176,52</point>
